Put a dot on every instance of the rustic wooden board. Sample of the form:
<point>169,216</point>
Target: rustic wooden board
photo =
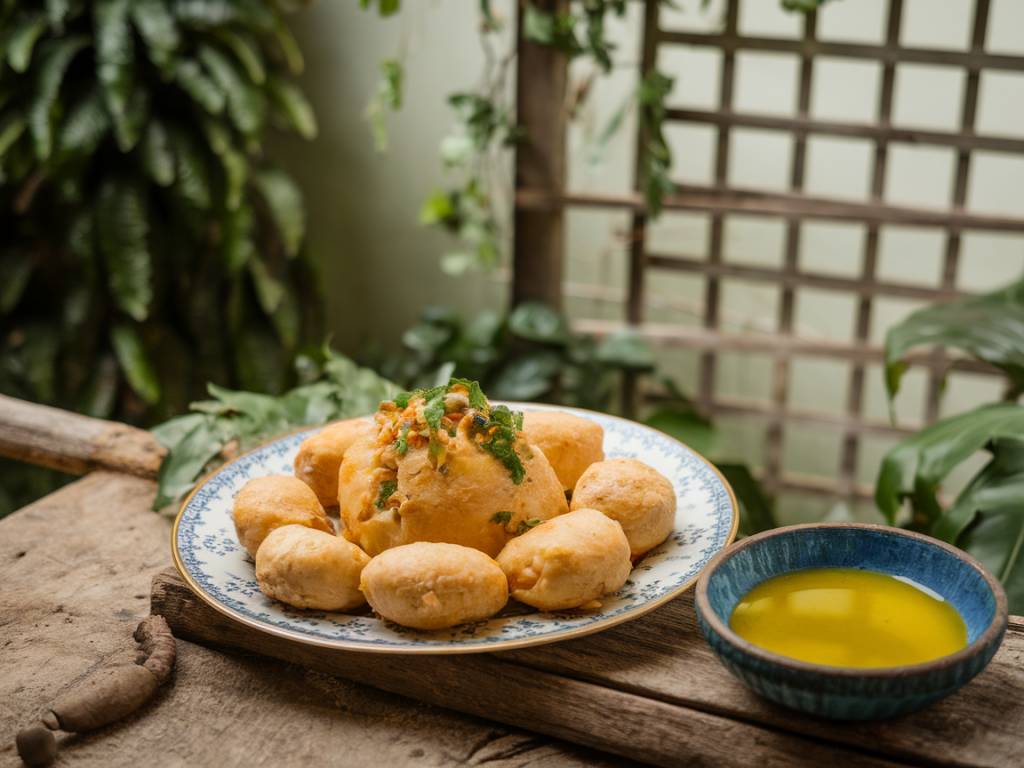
<point>651,690</point>
<point>75,572</point>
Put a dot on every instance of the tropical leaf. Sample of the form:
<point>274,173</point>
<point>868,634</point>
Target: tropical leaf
<point>289,47</point>
<point>209,14</point>
<point>686,425</point>
<point>269,290</point>
<point>15,270</point>
<point>626,349</point>
<point>284,202</point>
<point>246,51</point>
<point>56,57</point>
<point>85,126</point>
<point>238,245</point>
<point>186,460</point>
<point>915,467</point>
<point>22,40</point>
<point>999,484</point>
<point>58,12</point>
<point>11,129</point>
<point>988,327</point>
<point>534,321</point>
<point>122,232</point>
<point>527,377</point>
<point>997,540</point>
<point>246,104</point>
<point>134,361</point>
<point>190,76</point>
<point>191,169</point>
<point>293,107</point>
<point>115,61</point>
<point>158,30</point>
<point>233,162</point>
<point>157,156</point>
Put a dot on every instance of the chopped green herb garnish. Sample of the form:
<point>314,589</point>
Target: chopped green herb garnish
<point>517,420</point>
<point>433,411</point>
<point>501,518</point>
<point>387,490</point>
<point>402,443</point>
<point>525,525</point>
<point>502,447</point>
<point>402,399</point>
<point>477,398</point>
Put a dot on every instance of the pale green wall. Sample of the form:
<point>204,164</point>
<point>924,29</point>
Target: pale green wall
<point>381,267</point>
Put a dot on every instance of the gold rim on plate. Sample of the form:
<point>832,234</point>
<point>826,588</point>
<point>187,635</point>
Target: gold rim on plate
<point>453,647</point>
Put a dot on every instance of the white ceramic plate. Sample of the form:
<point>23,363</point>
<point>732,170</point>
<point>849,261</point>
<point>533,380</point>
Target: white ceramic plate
<point>220,572</point>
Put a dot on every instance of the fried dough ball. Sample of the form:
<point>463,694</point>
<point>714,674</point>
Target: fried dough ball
<point>319,456</point>
<point>570,443</point>
<point>308,568</point>
<point>638,496</point>
<point>567,562</point>
<point>266,503</point>
<point>428,585</point>
<point>387,499</point>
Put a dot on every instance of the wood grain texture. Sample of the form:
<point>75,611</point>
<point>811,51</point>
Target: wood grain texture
<point>498,687</point>
<point>75,572</point>
<point>69,442</point>
<point>539,235</point>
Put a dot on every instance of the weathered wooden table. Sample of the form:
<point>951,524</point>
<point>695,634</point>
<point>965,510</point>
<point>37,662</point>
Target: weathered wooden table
<point>76,573</point>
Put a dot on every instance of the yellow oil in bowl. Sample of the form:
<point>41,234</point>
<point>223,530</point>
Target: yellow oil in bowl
<point>846,617</point>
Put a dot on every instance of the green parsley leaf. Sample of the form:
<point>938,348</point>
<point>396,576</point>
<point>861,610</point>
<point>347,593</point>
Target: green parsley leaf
<point>387,490</point>
<point>402,443</point>
<point>402,399</point>
<point>501,518</point>
<point>525,525</point>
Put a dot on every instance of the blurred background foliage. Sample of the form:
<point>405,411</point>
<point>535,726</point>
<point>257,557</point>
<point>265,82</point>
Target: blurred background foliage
<point>149,246</point>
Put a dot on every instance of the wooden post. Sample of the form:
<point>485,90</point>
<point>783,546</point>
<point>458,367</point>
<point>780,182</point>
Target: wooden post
<point>539,235</point>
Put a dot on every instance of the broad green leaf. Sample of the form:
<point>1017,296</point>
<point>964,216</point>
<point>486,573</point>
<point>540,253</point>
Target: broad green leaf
<point>627,349</point>
<point>292,105</point>
<point>56,56</point>
<point>316,403</point>
<point>22,40</point>
<point>157,157</point>
<point>158,30</point>
<point>289,47</point>
<point>246,104</point>
<point>685,425</point>
<point>15,270</point>
<point>426,339</point>
<point>384,7</point>
<point>10,131</point>
<point>134,361</point>
<point>284,202</point>
<point>235,167</point>
<point>538,322</point>
<point>757,510</point>
<point>526,378</point>
<point>269,290</point>
<point>85,126</point>
<point>256,415</point>
<point>246,51</point>
<point>914,468</point>
<point>237,244</point>
<point>190,76</point>
<point>115,63</point>
<point>123,230</point>
<point>172,432</point>
<point>997,540</point>
<point>57,12</point>
<point>437,209</point>
<point>191,169</point>
<point>989,327</point>
<point>999,484</point>
<point>186,461</point>
<point>209,14</point>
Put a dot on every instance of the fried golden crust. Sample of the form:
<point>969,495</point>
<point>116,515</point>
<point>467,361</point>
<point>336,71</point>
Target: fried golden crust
<point>266,503</point>
<point>570,443</point>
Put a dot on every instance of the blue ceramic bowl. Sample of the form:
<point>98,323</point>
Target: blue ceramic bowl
<point>847,693</point>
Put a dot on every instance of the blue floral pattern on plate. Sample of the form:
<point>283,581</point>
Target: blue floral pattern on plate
<point>211,560</point>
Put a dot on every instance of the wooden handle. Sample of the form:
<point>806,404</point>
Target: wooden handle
<point>69,442</point>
